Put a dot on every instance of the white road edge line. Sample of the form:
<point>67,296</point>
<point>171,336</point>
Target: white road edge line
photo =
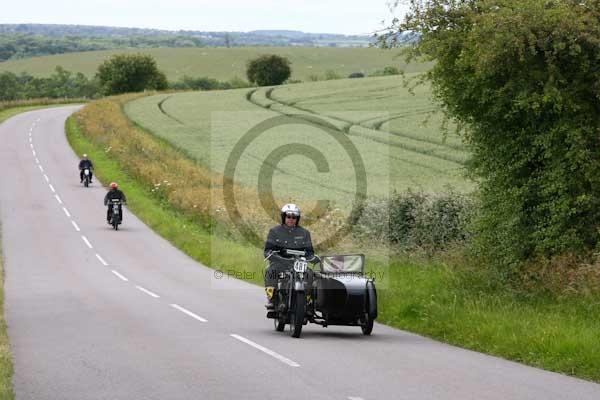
<point>75,226</point>
<point>87,242</point>
<point>149,293</point>
<point>31,145</point>
<point>35,155</point>
<point>67,213</point>
<point>37,160</point>
<point>191,314</point>
<point>30,139</point>
<point>265,350</point>
<point>41,168</point>
<point>354,398</point>
<point>52,188</point>
<point>101,260</point>
<point>46,178</point>
<point>120,276</point>
<point>58,199</point>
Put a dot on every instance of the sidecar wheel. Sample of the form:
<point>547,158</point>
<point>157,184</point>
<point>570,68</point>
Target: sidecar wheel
<point>366,325</point>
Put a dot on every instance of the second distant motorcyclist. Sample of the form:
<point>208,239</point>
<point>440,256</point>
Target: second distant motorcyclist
<point>288,235</point>
<point>114,194</point>
<point>83,164</point>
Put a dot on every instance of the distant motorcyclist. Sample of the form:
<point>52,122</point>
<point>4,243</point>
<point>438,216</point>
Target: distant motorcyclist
<point>114,194</point>
<point>83,164</point>
<point>287,235</point>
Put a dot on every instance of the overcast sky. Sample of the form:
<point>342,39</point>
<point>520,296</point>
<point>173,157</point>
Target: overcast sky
<point>331,16</point>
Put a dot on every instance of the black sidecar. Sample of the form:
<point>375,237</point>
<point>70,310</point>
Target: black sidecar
<point>343,295</point>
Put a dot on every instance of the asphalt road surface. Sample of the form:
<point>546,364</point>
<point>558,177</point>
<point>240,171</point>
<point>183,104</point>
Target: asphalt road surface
<point>98,314</point>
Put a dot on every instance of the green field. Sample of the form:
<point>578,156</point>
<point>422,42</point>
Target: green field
<point>223,63</point>
<point>208,126</point>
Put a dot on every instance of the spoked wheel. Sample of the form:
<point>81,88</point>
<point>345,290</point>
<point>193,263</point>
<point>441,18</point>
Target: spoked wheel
<point>366,324</point>
<point>297,316</point>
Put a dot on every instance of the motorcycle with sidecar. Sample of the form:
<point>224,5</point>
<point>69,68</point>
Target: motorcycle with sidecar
<point>337,292</point>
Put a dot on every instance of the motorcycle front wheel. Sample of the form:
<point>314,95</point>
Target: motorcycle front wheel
<point>297,315</point>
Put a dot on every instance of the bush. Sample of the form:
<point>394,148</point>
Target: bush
<point>331,75</point>
<point>387,71</point>
<point>356,75</point>
<point>127,73</point>
<point>522,77</point>
<point>268,70</point>
<point>413,220</point>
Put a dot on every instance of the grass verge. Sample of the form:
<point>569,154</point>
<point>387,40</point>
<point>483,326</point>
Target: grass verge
<point>453,305</point>
<point>6,364</point>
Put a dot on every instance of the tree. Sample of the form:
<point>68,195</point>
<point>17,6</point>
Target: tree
<point>124,73</point>
<point>268,70</point>
<point>523,79</point>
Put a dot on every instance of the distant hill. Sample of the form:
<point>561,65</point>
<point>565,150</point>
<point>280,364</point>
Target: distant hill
<point>29,40</point>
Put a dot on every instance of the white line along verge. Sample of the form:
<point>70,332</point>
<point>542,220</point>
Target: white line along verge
<point>46,178</point>
<point>58,199</point>
<point>101,260</point>
<point>87,242</point>
<point>149,293</point>
<point>37,160</point>
<point>41,168</point>
<point>191,314</point>
<point>52,188</point>
<point>76,226</point>
<point>67,213</point>
<point>265,350</point>
<point>121,277</point>
<point>35,155</point>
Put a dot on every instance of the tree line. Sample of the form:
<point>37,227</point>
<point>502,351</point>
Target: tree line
<point>16,46</point>
<point>126,73</point>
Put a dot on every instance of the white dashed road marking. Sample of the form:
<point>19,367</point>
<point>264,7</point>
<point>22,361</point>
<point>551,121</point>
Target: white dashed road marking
<point>187,312</point>
<point>120,276</point>
<point>46,178</point>
<point>87,242</point>
<point>52,188</point>
<point>67,213</point>
<point>101,260</point>
<point>266,351</point>
<point>149,293</point>
<point>58,199</point>
<point>76,226</point>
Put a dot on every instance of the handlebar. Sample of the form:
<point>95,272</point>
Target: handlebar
<point>296,253</point>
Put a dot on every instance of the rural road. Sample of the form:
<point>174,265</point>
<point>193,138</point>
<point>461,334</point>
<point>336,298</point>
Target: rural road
<point>98,314</point>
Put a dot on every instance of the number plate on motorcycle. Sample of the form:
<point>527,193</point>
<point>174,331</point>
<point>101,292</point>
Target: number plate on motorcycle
<point>300,266</point>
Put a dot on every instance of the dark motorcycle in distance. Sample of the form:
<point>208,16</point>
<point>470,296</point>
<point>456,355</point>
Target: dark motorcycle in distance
<point>87,176</point>
<point>338,293</point>
<point>117,213</point>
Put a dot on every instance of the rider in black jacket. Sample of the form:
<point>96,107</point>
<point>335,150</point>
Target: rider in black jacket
<point>83,164</point>
<point>288,235</point>
<point>114,193</point>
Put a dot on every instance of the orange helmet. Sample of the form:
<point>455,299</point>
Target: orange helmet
<point>114,185</point>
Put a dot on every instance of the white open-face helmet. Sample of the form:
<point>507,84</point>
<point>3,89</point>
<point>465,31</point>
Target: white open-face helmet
<point>290,209</point>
